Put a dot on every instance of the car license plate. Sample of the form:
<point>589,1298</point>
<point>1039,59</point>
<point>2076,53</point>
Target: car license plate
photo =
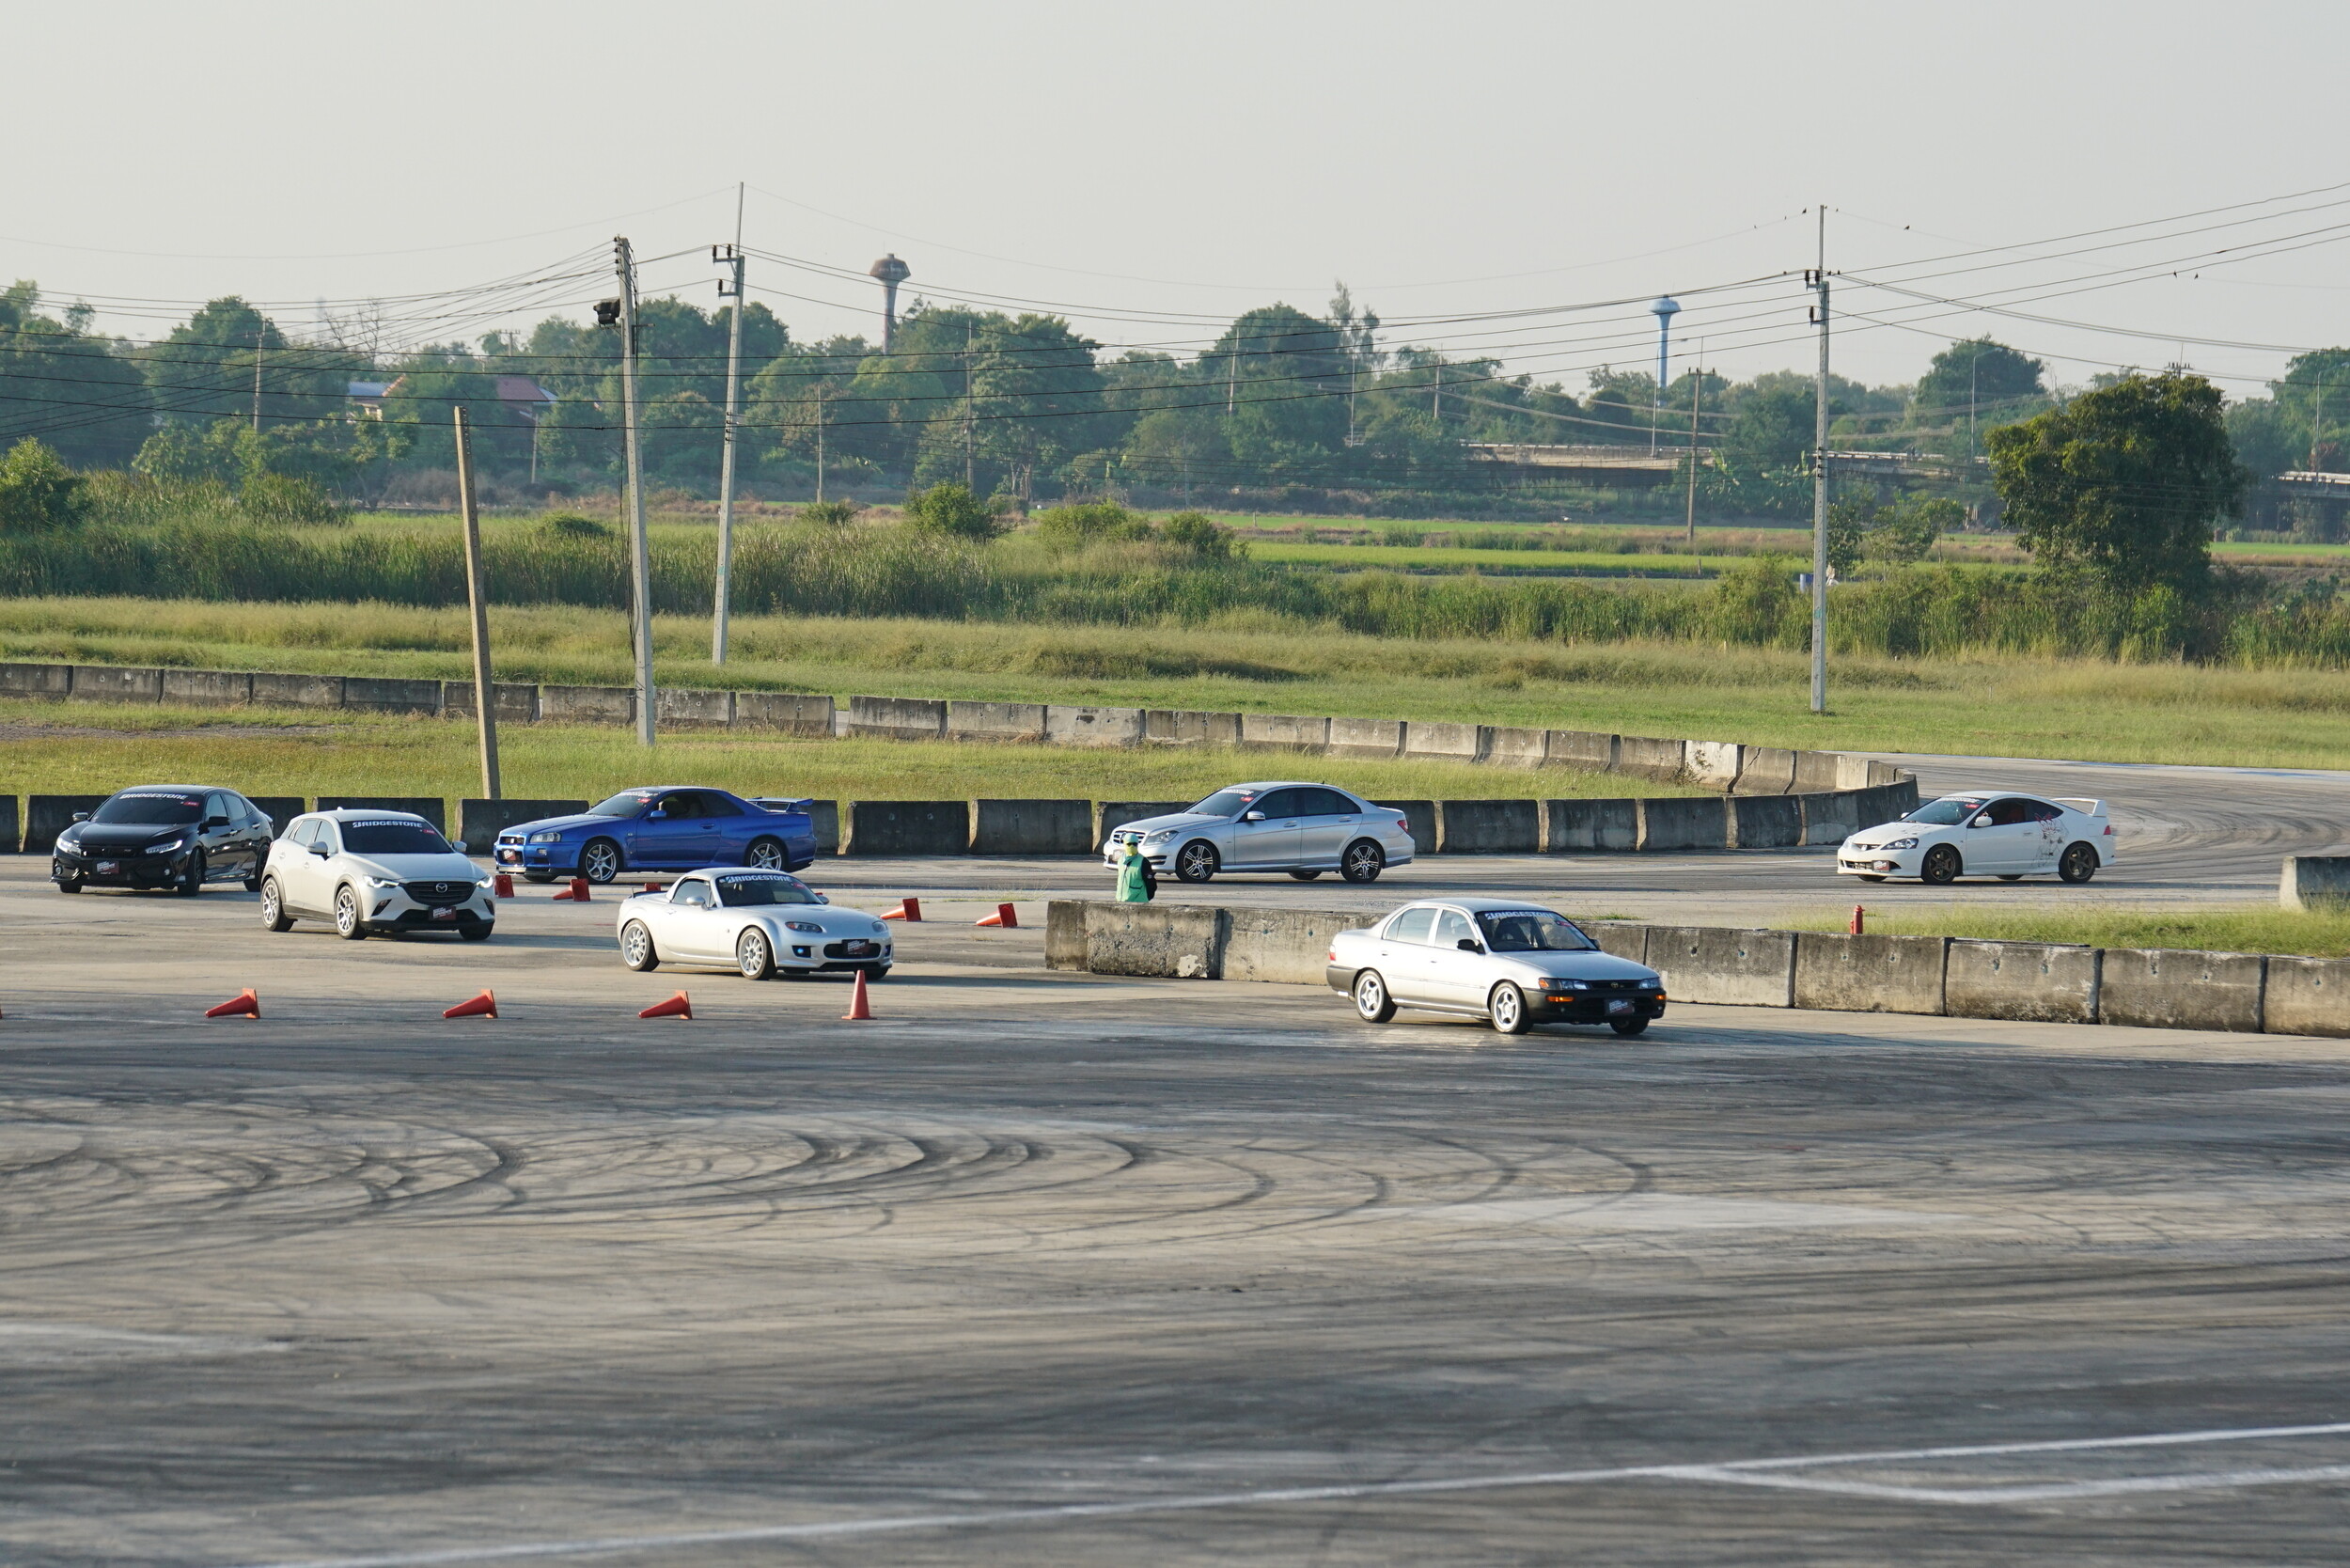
<point>444,914</point>
<point>857,950</point>
<point>509,854</point>
<point>109,868</point>
<point>1620,1006</point>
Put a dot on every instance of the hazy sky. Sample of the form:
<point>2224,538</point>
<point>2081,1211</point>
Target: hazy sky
<point>1151,170</point>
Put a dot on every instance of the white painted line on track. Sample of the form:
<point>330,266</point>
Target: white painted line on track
<point>1736,1472</point>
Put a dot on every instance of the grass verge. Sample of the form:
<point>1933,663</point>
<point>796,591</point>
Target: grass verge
<point>2246,930</point>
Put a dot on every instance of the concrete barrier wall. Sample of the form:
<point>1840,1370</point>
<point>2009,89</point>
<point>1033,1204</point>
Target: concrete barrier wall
<point>1712,963</point>
<point>1714,764</point>
<point>2307,882</point>
<point>1366,739</point>
<point>1701,824</point>
<point>1511,748</point>
<point>1832,818</point>
<point>1285,945</point>
<point>50,682</point>
<point>1158,941</point>
<point>1090,727</point>
<point>1766,822</point>
<point>208,688</point>
<point>684,705</point>
<point>1447,743</point>
<point>46,816</point>
<point>1032,827</point>
<point>824,816</point>
<point>1587,826</point>
<point>572,704</point>
<point>10,829</point>
<point>793,712</point>
<point>2028,981</point>
<point>1188,727</point>
<point>280,810</point>
<point>432,808</point>
<point>932,827</point>
<point>1868,974</point>
<point>1010,722</point>
<point>481,821</point>
<point>2172,988</point>
<point>2307,995</point>
<point>1419,817</point>
<point>1645,756</point>
<point>1580,748</point>
<point>118,683</point>
<point>1489,828</point>
<point>1766,770</point>
<point>382,694</point>
<point>511,703</point>
<point>1626,939</point>
<point>1288,731</point>
<point>897,719</point>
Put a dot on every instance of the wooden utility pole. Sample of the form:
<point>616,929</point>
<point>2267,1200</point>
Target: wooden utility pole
<point>639,546</point>
<point>1818,486</point>
<point>721,594</point>
<point>477,599</point>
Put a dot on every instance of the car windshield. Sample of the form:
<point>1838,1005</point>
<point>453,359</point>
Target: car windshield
<point>1226,802</point>
<point>1948,812</point>
<point>152,806</point>
<point>394,839</point>
<point>1531,930</point>
<point>629,804</point>
<point>739,892</point>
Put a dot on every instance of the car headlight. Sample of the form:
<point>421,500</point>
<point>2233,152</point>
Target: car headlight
<point>802,925</point>
<point>1899,843</point>
<point>167,846</point>
<point>1566,985</point>
<point>486,883</point>
<point>383,884</point>
<point>1652,985</point>
<point>1161,836</point>
<point>545,837</point>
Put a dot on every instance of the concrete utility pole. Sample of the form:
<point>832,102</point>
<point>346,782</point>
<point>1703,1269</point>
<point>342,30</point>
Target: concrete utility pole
<point>639,547</point>
<point>477,601</point>
<point>1697,395</point>
<point>820,444</point>
<point>721,595</point>
<point>1819,488</point>
<point>258,346</point>
<point>968,482</point>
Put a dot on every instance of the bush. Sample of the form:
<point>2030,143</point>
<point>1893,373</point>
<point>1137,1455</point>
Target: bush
<point>832,514</point>
<point>1201,539</point>
<point>285,499</point>
<point>38,491</point>
<point>951,510</point>
<point>573,525</point>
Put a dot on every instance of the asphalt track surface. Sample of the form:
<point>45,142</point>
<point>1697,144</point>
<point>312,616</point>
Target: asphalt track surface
<point>1043,1268</point>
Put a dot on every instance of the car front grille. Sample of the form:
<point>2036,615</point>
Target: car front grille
<point>439,895</point>
<point>854,949</point>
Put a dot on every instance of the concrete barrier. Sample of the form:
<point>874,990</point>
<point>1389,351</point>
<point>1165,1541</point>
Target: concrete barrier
<point>1447,743</point>
<point>481,821</point>
<point>389,695</point>
<point>9,828</point>
<point>1067,726</point>
<point>1868,974</point>
<point>1159,941</point>
<point>1290,946</point>
<point>1489,828</point>
<point>1766,822</point>
<point>41,681</point>
<point>1032,827</point>
<point>279,810</point>
<point>1580,748</point>
<point>1420,820</point>
<point>1852,773</point>
<point>2040,982</point>
<point>1714,764</point>
<point>1701,824</point>
<point>1626,939</point>
<point>824,818</point>
<point>805,714</point>
<point>117,684</point>
<point>276,689</point>
<point>46,816</point>
<point>1584,826</point>
<point>1188,727</point>
<point>897,719</point>
<point>1832,818</point>
<point>584,705</point>
<point>511,701</point>
<point>432,808</point>
<point>2307,995</point>
<point>1111,815</point>
<point>691,705</point>
<point>208,688</point>
<point>2309,882</point>
<point>1284,731</point>
<point>1766,770</point>
<point>1513,747</point>
<point>927,828</point>
<point>1817,773</point>
<point>1008,723</point>
<point>1065,935</point>
<point>1715,964</point>
<point>1366,739</point>
<point>2173,988</point>
<point>1646,757</point>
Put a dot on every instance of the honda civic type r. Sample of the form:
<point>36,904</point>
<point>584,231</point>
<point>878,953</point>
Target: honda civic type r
<point>1985,833</point>
<point>175,836</point>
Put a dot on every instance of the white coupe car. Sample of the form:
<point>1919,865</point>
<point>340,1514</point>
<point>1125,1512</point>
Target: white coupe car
<point>375,871</point>
<point>758,923</point>
<point>1984,833</point>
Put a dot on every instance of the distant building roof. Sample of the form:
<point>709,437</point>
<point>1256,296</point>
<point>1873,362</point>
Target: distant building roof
<point>521,389</point>
<point>370,388</point>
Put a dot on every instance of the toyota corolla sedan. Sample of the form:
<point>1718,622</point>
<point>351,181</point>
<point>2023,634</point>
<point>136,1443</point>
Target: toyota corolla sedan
<point>375,873</point>
<point>175,836</point>
<point>665,827</point>
<point>1513,964</point>
<point>1984,833</point>
<point>1304,829</point>
<point>759,923</point>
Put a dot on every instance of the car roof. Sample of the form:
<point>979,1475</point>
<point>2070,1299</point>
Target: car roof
<point>1480,906</point>
<point>657,789</point>
<point>1281,784</point>
<point>344,813</point>
<point>178,789</point>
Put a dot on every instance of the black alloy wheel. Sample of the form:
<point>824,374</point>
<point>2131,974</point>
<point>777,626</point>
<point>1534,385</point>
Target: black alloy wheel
<point>2078,864</point>
<point>765,853</point>
<point>1628,1025</point>
<point>599,861</point>
<point>1941,866</point>
<point>1362,862</point>
<point>190,881</point>
<point>1197,862</point>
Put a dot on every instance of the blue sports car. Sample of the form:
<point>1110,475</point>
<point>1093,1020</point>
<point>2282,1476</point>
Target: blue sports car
<point>663,828</point>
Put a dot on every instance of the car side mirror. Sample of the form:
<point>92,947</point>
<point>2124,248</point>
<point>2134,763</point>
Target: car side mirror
<point>821,899</point>
<point>319,850</point>
<point>1252,817</point>
<point>216,822</point>
<point>1470,945</point>
<point>81,816</point>
<point>656,815</point>
<point>1983,821</point>
<point>458,844</point>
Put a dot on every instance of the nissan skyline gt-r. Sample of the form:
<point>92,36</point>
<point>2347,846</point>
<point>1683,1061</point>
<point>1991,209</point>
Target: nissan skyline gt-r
<point>175,836</point>
<point>1514,964</point>
<point>758,924</point>
<point>1304,829</point>
<point>665,827</point>
<point>1984,833</point>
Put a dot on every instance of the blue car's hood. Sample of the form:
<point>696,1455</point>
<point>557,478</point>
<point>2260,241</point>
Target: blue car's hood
<point>557,825</point>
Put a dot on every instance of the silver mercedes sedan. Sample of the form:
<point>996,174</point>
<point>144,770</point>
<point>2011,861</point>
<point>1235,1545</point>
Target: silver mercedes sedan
<point>1513,964</point>
<point>1279,825</point>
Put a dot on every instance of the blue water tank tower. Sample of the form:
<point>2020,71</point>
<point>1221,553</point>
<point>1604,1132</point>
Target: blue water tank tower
<point>1666,309</point>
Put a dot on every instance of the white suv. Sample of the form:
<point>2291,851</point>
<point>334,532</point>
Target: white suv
<point>371,871</point>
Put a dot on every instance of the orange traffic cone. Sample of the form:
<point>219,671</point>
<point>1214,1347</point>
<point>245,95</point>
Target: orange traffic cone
<point>244,1006</point>
<point>505,886</point>
<point>860,1005</point>
<point>1859,919</point>
<point>575,893</point>
<point>483,1006</point>
<point>1005,916</point>
<point>910,910</point>
<point>676,1007</point>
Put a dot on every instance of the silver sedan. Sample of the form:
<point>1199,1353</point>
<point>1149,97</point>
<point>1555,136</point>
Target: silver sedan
<point>1304,829</point>
<point>1513,964</point>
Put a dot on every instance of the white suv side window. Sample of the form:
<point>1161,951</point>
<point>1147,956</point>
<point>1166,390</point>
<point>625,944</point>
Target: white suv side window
<point>302,834</point>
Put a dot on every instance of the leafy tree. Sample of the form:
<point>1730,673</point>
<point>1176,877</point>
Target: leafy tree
<point>1773,429</point>
<point>38,491</point>
<point>2124,484</point>
<point>1203,538</point>
<point>1978,373</point>
<point>954,510</point>
<point>1900,532</point>
<point>82,394</point>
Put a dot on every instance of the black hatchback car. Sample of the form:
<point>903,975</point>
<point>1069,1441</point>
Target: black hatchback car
<point>175,836</point>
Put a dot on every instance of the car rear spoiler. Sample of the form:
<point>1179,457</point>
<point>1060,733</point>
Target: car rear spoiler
<point>784,808</point>
<point>2082,804</point>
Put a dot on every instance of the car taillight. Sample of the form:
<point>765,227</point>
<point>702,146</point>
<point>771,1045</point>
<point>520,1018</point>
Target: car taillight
<point>1332,957</point>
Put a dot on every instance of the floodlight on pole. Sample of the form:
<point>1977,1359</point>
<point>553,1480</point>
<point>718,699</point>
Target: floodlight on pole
<point>1664,309</point>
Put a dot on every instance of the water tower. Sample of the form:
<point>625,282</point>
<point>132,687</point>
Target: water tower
<point>891,271</point>
<point>1664,309</point>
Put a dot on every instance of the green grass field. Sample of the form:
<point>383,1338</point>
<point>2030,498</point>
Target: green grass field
<point>1423,557</point>
<point>2244,931</point>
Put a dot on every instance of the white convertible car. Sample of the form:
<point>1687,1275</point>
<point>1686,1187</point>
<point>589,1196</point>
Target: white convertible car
<point>1984,833</point>
<point>757,922</point>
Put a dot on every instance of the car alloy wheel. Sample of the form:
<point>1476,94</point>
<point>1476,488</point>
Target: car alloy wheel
<point>1197,862</point>
<point>347,922</point>
<point>2078,864</point>
<point>191,878</point>
<point>273,915</point>
<point>637,949</point>
<point>1506,1007</point>
<point>1941,866</point>
<point>753,956</point>
<point>765,853</point>
<point>600,862</point>
<point>1363,862</point>
<point>1372,1002</point>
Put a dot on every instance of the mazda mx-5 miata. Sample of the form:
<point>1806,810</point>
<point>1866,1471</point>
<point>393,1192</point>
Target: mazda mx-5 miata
<point>175,836</point>
<point>757,922</point>
<point>665,827</point>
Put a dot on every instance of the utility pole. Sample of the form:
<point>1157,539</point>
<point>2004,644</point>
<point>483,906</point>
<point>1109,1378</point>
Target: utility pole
<point>969,482</point>
<point>1697,394</point>
<point>639,547</point>
<point>820,443</point>
<point>721,595</point>
<point>1232,378</point>
<point>477,601</point>
<point>256,383</point>
<point>1819,486</point>
<point>1436,399</point>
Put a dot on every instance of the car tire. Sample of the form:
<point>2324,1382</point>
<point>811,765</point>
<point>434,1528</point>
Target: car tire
<point>1373,1004</point>
<point>2011,876</point>
<point>766,853</point>
<point>252,882</point>
<point>2078,864</point>
<point>1871,876</point>
<point>754,956</point>
<point>1305,875</point>
<point>636,948</point>
<point>1941,866</point>
<point>1628,1027</point>
<point>538,876</point>
<point>874,971</point>
<point>1197,862</point>
<point>348,923</point>
<point>190,882</point>
<point>480,930</point>
<point>1505,1009</point>
<point>273,915</point>
<point>1362,862</point>
<point>599,861</point>
<point>65,883</point>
